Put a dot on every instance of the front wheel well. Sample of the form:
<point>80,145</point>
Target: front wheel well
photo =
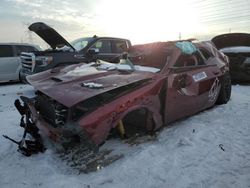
<point>138,122</point>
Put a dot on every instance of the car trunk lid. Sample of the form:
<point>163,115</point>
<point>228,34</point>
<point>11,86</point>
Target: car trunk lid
<point>231,40</point>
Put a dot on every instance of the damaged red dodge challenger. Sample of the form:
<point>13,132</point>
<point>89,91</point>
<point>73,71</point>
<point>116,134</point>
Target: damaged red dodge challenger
<point>153,84</point>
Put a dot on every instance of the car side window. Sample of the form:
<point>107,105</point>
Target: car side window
<point>104,46</point>
<point>186,60</point>
<point>31,49</point>
<point>200,59</point>
<point>205,53</point>
<point>195,59</point>
<point>6,51</point>
<point>120,46</point>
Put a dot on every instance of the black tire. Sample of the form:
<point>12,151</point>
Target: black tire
<point>225,91</point>
<point>21,80</point>
<point>19,77</point>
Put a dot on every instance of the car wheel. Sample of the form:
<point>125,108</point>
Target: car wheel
<point>225,91</point>
<point>20,78</point>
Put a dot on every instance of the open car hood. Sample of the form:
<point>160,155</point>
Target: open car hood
<point>49,35</point>
<point>73,84</point>
<point>231,40</point>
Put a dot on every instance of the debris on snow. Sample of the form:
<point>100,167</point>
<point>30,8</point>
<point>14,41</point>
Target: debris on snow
<point>221,147</point>
<point>160,163</point>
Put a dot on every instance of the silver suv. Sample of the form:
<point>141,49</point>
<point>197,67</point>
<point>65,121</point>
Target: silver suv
<point>10,61</point>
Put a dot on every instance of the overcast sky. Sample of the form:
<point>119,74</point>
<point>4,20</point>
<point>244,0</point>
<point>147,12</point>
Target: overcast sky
<point>139,20</point>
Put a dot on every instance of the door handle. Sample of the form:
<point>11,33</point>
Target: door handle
<point>79,56</point>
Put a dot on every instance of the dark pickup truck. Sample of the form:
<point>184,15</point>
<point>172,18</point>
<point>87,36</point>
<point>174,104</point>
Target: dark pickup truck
<point>64,53</point>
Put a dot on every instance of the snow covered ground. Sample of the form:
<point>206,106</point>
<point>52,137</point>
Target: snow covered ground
<point>210,149</point>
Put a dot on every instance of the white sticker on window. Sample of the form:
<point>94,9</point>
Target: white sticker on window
<point>199,76</point>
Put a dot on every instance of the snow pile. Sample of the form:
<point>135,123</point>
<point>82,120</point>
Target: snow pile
<point>103,66</point>
<point>210,149</point>
<point>92,85</point>
<point>146,69</point>
<point>84,70</point>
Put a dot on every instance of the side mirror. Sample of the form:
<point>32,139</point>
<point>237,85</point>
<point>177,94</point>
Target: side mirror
<point>93,51</point>
<point>124,55</point>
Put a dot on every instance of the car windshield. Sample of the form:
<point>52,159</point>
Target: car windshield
<point>147,60</point>
<point>81,43</point>
<point>152,55</point>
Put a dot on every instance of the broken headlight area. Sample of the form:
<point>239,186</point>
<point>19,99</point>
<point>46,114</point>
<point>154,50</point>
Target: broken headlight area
<point>51,111</point>
<point>54,120</point>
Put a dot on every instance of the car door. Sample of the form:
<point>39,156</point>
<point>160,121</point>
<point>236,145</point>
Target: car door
<point>8,63</point>
<point>118,48</point>
<point>105,49</point>
<point>191,84</point>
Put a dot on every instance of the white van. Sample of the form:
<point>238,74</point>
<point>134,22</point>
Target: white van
<point>10,61</point>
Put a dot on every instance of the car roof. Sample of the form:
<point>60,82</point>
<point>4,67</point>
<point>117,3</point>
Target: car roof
<point>16,44</point>
<point>112,38</point>
<point>21,44</point>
